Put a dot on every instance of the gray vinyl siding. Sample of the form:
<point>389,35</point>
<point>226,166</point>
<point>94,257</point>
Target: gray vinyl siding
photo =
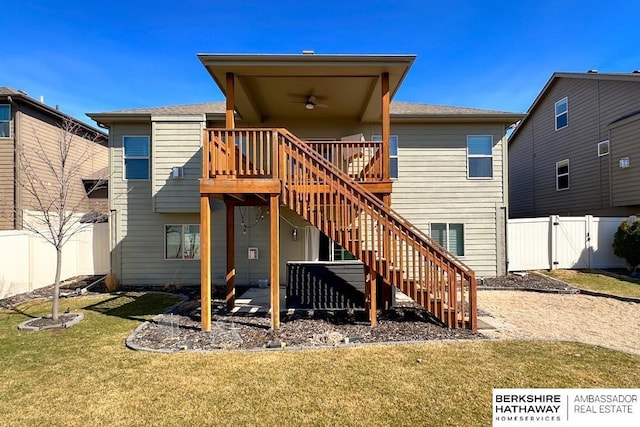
<point>592,105</point>
<point>625,183</point>
<point>433,188</point>
<point>138,257</point>
<point>37,132</point>
<point>522,174</point>
<point>176,141</point>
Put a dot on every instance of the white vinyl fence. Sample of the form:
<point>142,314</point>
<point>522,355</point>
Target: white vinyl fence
<point>562,242</point>
<point>28,262</point>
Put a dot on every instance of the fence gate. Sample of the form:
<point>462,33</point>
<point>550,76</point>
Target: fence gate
<point>571,240</point>
<point>562,242</point>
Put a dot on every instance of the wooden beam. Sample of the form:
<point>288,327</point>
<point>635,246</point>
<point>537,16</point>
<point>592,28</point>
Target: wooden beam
<point>239,186</point>
<point>230,287</point>
<point>387,289</point>
<point>231,101</point>
<point>274,220</point>
<point>230,120</point>
<point>386,126</point>
<point>377,187</point>
<point>205,262</point>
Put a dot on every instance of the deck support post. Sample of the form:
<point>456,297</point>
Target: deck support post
<point>230,120</point>
<point>387,289</point>
<point>274,221</point>
<point>370,280</point>
<point>205,262</point>
<point>230,286</point>
<point>386,126</point>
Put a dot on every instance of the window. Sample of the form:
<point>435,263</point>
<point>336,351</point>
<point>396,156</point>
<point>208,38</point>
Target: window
<point>603,148</point>
<point>562,113</point>
<point>449,236</point>
<point>5,119</point>
<point>562,175</point>
<point>182,241</point>
<point>328,250</point>
<point>393,154</point>
<point>136,157</point>
<point>480,156</point>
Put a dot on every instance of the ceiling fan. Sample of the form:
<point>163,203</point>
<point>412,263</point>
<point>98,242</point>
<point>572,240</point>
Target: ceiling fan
<point>311,102</point>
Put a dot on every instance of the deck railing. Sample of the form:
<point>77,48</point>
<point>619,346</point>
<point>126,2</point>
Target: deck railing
<point>360,160</point>
<point>330,198</point>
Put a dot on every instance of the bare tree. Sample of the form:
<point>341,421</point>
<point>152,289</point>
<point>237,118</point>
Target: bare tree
<point>49,175</point>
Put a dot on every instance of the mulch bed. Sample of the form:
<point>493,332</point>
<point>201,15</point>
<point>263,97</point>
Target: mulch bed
<point>179,330</point>
<point>528,281</point>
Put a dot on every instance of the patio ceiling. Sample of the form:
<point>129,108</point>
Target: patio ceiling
<point>269,87</point>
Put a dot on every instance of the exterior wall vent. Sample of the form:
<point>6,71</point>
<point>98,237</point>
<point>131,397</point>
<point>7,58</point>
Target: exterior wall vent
<point>252,253</point>
<point>624,163</point>
<point>177,172</point>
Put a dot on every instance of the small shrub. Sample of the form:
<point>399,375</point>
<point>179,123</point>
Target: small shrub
<point>111,283</point>
<point>626,243</point>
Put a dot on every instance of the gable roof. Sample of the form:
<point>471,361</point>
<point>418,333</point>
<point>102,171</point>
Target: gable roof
<point>399,110</point>
<point>13,95</point>
<point>590,75</point>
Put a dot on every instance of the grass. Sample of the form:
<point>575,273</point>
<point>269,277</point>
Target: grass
<point>85,376</point>
<point>593,281</point>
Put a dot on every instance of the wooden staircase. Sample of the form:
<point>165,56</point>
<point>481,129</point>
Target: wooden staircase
<point>328,189</point>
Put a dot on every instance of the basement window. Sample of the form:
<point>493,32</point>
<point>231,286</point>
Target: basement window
<point>182,241</point>
<point>449,236</point>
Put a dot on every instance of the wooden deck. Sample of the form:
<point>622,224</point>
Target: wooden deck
<point>343,189</point>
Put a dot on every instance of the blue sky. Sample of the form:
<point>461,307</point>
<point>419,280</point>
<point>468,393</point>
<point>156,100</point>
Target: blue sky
<point>89,56</point>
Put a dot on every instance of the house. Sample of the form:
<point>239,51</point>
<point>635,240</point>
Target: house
<point>576,153</point>
<point>25,124</point>
<point>309,160</point>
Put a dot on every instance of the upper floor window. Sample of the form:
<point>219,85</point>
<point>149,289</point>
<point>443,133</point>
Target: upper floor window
<point>562,113</point>
<point>449,236</point>
<point>182,241</point>
<point>562,175</point>
<point>393,154</point>
<point>603,148</point>
<point>480,156</point>
<point>5,118</point>
<point>136,157</point>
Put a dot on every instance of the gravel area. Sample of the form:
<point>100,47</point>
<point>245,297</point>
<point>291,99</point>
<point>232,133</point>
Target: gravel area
<point>593,320</point>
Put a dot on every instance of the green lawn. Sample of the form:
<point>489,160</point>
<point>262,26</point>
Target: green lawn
<point>85,376</point>
<point>592,280</point>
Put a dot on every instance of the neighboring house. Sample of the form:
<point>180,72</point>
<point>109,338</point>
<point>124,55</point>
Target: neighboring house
<point>26,122</point>
<point>577,153</point>
<point>347,173</point>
